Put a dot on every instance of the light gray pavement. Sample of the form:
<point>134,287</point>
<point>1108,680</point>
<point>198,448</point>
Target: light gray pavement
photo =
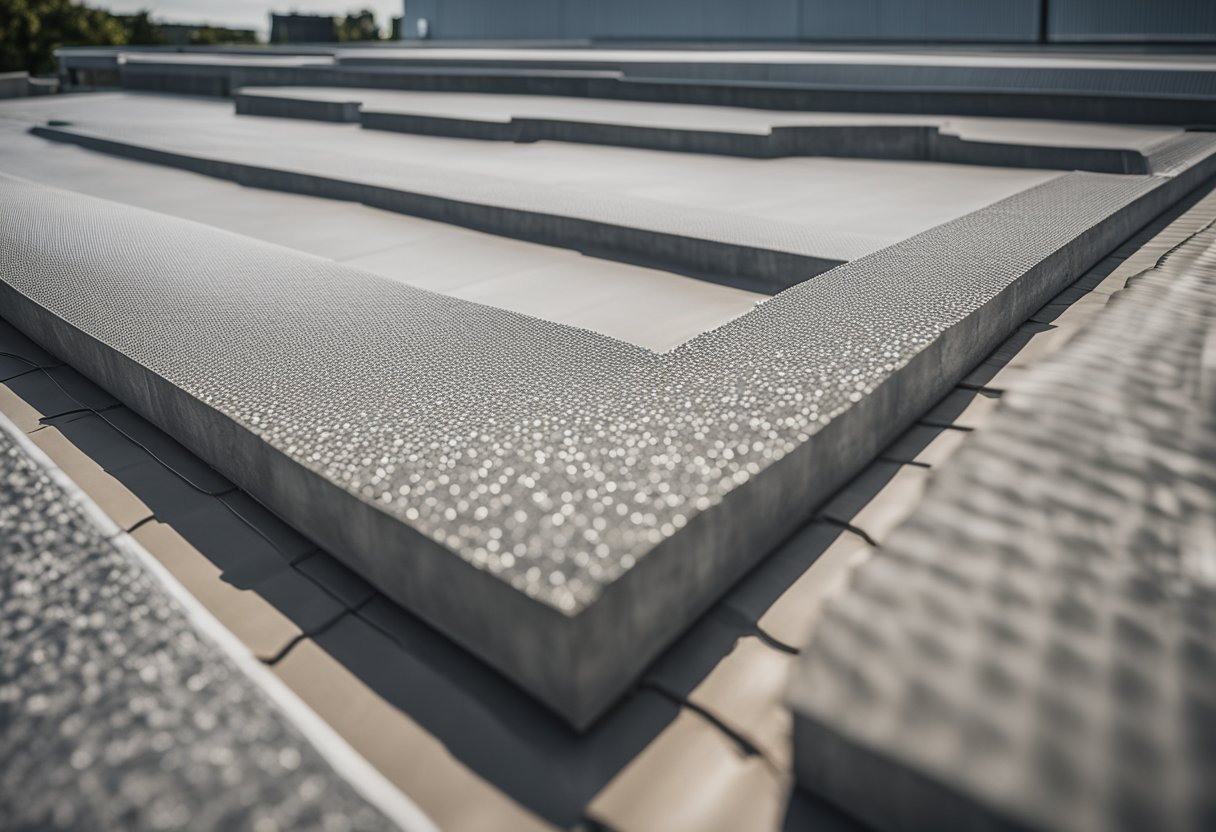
<point>825,209</point>
<point>648,307</point>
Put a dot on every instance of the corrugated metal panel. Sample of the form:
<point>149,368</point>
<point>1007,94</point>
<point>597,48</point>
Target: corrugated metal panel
<point>635,19</point>
<point>697,19</point>
<point>855,20</point>
<point>1131,20</point>
<point>537,19</point>
<point>920,20</point>
<point>416,10</point>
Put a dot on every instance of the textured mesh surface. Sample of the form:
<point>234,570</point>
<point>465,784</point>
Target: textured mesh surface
<point>116,712</point>
<point>1039,638</point>
<point>552,457</point>
<point>554,462</point>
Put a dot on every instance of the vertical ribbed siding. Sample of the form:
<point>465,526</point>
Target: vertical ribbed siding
<point>920,20</point>
<point>698,19</point>
<point>493,19</point>
<point>1131,20</point>
<point>619,19</point>
<point>1009,21</point>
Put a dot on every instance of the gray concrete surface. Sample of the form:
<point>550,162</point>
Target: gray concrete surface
<point>734,219</point>
<point>549,416</point>
<point>1033,649</point>
<point>121,707</point>
<point>723,130</point>
<point>712,748</point>
<point>647,307</point>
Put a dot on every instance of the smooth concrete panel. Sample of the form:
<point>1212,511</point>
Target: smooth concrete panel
<point>647,307</point>
<point>739,220</point>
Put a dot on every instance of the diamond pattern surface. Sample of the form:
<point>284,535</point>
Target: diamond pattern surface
<point>1035,646</point>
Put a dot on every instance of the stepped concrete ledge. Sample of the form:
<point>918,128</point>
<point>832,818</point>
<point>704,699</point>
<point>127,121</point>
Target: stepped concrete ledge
<point>719,130</point>
<point>735,221</point>
<point>1034,648</point>
<point>1119,88</point>
<point>125,705</point>
<point>479,466</point>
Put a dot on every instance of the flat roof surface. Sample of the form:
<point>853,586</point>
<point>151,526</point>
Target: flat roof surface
<point>652,308</point>
<point>460,740</point>
<point>542,534</point>
<point>839,209</point>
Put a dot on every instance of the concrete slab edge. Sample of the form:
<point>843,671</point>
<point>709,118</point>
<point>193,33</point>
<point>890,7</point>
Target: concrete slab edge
<point>910,142</point>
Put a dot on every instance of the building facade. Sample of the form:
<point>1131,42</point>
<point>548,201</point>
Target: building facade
<point>1009,21</point>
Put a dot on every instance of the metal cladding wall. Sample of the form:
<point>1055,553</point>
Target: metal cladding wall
<point>1131,20</point>
<point>920,20</point>
<point>698,19</point>
<point>778,20</point>
<point>1014,21</point>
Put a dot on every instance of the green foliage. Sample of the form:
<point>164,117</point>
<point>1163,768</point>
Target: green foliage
<point>141,31</point>
<point>359,26</point>
<point>31,31</point>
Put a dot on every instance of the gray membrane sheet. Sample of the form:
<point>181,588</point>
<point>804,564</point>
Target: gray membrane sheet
<point>561,503</point>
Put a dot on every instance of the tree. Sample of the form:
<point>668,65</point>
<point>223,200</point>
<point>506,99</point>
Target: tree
<point>359,26</point>
<point>141,31</point>
<point>31,31</point>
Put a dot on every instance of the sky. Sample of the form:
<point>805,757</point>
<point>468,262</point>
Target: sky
<point>247,14</point>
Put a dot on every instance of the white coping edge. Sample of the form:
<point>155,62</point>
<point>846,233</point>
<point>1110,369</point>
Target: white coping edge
<point>349,764</point>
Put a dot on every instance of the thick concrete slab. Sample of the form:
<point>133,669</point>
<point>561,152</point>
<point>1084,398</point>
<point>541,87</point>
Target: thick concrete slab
<point>548,416</point>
